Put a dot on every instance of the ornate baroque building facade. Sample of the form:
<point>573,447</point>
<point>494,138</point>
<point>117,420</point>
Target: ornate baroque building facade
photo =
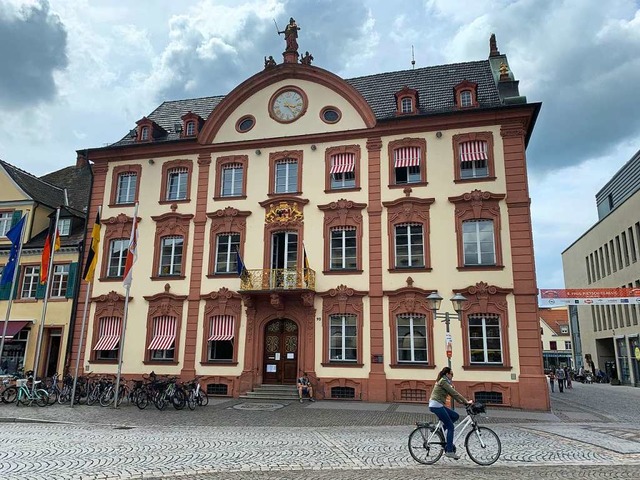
<point>348,202</point>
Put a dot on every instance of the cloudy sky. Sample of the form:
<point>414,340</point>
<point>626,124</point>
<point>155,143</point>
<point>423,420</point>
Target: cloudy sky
<point>78,74</point>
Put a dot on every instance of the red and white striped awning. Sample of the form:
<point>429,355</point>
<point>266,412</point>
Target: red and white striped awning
<point>221,328</point>
<point>164,333</point>
<point>474,150</point>
<point>109,333</point>
<point>407,157</point>
<point>343,162</point>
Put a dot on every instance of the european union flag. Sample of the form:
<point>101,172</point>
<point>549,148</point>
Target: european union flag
<point>242,270</point>
<point>15,235</point>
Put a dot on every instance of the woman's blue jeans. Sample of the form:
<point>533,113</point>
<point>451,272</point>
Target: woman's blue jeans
<point>447,417</point>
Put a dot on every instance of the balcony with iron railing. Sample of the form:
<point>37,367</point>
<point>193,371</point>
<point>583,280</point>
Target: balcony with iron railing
<point>278,279</point>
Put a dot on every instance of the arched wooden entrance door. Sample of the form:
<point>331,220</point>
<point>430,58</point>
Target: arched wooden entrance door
<point>280,357</point>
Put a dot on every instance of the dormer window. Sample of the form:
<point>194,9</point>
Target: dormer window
<point>466,99</point>
<point>191,124</point>
<point>407,105</point>
<point>148,130</point>
<point>64,227</point>
<point>466,94</point>
<point>144,134</point>
<point>406,101</point>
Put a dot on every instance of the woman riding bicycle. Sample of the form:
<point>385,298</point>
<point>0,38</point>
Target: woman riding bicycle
<point>441,390</point>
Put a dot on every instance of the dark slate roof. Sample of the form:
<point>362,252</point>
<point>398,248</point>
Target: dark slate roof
<point>435,86</point>
<point>38,189</point>
<point>77,181</point>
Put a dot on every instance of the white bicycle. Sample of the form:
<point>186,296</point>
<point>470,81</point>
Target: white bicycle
<point>427,441</point>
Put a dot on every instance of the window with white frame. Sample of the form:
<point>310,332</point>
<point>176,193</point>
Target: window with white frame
<point>144,134</point>
<point>474,159</point>
<point>60,280</point>
<point>286,180</point>
<point>232,180</point>
<point>64,227</point>
<point>343,255</point>
<point>343,338</point>
<point>226,256</point>
<point>567,345</point>
<point>478,242</point>
<point>191,129</point>
<point>485,339</point>
<point>30,281</point>
<point>177,179</point>
<point>409,246</point>
<point>342,170</point>
<point>407,165</point>
<point>126,191</point>
<point>564,329</point>
<point>407,105</point>
<point>466,99</point>
<point>5,223</point>
<point>117,257</point>
<point>171,256</point>
<point>411,333</point>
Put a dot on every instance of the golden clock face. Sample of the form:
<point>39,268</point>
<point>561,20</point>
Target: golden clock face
<point>288,106</point>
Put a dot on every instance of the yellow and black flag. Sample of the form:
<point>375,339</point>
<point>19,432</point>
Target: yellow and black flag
<point>92,258</point>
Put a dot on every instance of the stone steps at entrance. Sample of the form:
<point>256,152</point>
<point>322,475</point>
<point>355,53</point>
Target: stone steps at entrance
<point>272,392</point>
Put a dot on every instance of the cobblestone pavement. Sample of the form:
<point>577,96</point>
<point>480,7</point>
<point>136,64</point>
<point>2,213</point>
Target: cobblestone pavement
<point>242,440</point>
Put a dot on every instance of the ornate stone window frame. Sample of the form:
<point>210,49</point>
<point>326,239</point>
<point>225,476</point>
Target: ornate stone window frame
<point>342,213</point>
<point>109,305</point>
<point>487,299</point>
<point>221,162</point>
<point>478,205</point>
<point>166,168</point>
<point>222,302</point>
<point>459,139</point>
<point>171,224</point>
<point>410,300</point>
<point>226,220</point>
<point>294,222</point>
<point>342,300</point>
<point>467,86</point>
<point>115,176</point>
<point>329,152</point>
<point>410,93</point>
<point>161,304</point>
<point>115,228</point>
<point>409,210</point>
<point>275,157</point>
<point>408,142</point>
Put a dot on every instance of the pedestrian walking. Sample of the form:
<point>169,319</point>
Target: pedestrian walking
<point>567,373</point>
<point>552,381</point>
<point>560,375</point>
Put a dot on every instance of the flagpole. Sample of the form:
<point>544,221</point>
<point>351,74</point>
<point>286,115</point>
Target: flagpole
<point>13,288</point>
<point>134,236</point>
<point>46,301</point>
<point>82,330</point>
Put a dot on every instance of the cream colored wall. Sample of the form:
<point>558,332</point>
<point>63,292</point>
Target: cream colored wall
<point>9,190</point>
<point>575,274</point>
<point>258,105</point>
<point>549,335</point>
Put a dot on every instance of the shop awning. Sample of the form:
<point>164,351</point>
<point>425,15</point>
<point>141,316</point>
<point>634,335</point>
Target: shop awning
<point>13,328</point>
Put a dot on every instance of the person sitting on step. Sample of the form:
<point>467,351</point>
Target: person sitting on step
<point>304,387</point>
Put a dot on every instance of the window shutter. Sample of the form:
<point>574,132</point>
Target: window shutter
<point>71,281</point>
<point>15,292</point>
<point>40,289</point>
<point>17,215</point>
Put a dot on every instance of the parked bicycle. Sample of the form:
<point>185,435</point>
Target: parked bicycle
<point>27,395</point>
<point>427,441</point>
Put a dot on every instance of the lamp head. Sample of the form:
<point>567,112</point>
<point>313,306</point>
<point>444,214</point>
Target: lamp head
<point>458,301</point>
<point>434,301</point>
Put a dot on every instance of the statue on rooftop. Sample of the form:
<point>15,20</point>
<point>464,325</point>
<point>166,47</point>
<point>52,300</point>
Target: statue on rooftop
<point>291,36</point>
<point>306,59</point>
<point>269,62</point>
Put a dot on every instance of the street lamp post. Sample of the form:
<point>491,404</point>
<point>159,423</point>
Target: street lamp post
<point>457,301</point>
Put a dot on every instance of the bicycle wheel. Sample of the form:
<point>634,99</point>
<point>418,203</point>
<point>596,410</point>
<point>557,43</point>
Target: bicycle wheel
<point>65,395</point>
<point>191,400</point>
<point>94,395</point>
<point>179,399</point>
<point>123,393</point>
<point>483,446</point>
<point>107,397</point>
<point>161,401</point>
<point>10,395</point>
<point>203,399</point>
<point>41,396</point>
<point>142,400</point>
<point>53,397</point>
<point>425,445</point>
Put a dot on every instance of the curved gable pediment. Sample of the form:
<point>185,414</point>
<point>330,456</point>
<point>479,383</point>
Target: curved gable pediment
<point>225,112</point>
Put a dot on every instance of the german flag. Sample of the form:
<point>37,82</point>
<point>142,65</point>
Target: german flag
<point>92,258</point>
<point>51,244</point>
